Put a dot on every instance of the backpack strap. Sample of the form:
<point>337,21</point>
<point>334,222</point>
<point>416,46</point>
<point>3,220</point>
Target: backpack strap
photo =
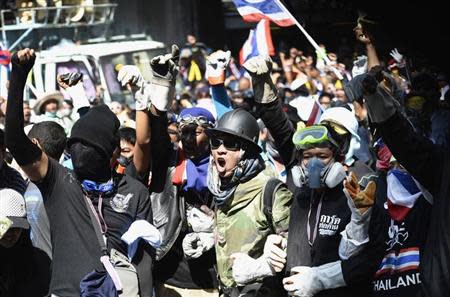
<point>271,187</point>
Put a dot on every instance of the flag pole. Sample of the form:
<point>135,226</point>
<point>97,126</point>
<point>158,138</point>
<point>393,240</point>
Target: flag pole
<point>310,39</point>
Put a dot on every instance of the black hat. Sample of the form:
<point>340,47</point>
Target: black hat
<point>98,128</point>
<point>241,124</point>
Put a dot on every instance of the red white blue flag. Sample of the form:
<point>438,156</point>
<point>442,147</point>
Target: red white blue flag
<point>259,42</point>
<point>256,10</point>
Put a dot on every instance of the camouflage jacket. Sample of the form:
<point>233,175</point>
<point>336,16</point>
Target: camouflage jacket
<point>242,225</point>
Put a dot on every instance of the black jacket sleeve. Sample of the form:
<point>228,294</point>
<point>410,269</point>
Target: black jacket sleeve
<point>24,151</point>
<point>422,158</point>
<point>161,152</point>
<point>280,128</point>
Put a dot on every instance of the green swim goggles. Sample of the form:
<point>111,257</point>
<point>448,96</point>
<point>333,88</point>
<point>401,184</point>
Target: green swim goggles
<point>310,136</point>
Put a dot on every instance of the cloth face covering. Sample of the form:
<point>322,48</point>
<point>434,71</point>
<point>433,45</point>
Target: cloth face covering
<point>90,164</point>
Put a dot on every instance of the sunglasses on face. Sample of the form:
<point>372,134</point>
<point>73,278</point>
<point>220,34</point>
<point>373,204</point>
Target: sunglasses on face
<point>229,143</point>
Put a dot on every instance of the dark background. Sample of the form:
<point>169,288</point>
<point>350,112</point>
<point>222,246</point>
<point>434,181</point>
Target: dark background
<point>418,29</point>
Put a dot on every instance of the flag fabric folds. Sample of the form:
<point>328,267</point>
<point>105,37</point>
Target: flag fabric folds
<point>256,10</point>
<point>259,42</point>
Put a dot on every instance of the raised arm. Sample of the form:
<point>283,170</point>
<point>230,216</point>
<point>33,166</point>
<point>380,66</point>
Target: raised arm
<point>216,65</point>
<point>423,159</point>
<point>152,101</point>
<point>364,38</point>
<point>271,113</point>
<point>28,155</point>
<point>72,83</point>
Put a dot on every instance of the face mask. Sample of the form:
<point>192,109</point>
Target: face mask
<point>89,164</point>
<point>314,170</point>
<point>50,114</point>
<point>66,112</point>
<point>318,175</point>
<point>124,161</point>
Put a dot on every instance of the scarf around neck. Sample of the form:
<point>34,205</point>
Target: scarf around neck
<point>246,170</point>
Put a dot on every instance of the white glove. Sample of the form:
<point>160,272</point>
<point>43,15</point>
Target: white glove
<point>216,64</point>
<point>195,244</point>
<point>78,95</point>
<point>199,221</point>
<point>162,87</point>
<point>246,269</point>
<point>275,251</point>
<point>396,55</point>
<point>359,66</point>
<point>308,281</point>
<point>130,74</point>
<point>259,68</point>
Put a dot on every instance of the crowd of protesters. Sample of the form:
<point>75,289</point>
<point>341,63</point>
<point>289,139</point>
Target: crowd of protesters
<point>283,176</point>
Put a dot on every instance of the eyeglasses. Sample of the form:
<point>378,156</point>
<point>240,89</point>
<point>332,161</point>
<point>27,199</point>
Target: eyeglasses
<point>230,144</point>
<point>312,135</point>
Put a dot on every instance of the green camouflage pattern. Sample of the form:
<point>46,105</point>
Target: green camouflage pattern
<point>242,225</point>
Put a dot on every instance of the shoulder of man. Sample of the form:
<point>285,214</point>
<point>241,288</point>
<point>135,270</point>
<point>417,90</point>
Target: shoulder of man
<point>277,200</point>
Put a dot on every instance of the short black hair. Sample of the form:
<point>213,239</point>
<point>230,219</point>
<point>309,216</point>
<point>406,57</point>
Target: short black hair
<point>128,134</point>
<point>51,136</point>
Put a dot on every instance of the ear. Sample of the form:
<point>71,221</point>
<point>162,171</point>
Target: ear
<point>36,142</point>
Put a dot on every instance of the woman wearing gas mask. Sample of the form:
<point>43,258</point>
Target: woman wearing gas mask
<point>333,247</point>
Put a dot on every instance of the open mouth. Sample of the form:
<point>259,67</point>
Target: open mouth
<point>221,162</point>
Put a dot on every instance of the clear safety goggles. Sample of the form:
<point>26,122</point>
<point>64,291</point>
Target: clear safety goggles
<point>310,136</point>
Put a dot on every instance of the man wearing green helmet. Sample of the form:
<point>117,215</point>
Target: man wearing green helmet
<point>333,247</point>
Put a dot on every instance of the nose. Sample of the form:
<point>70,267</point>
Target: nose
<point>221,150</point>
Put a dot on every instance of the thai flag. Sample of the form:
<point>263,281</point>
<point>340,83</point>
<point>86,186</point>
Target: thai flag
<point>402,193</point>
<point>259,42</point>
<point>308,109</point>
<point>406,259</point>
<point>256,10</point>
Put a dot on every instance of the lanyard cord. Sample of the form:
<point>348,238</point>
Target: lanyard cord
<point>316,223</point>
<point>98,214</point>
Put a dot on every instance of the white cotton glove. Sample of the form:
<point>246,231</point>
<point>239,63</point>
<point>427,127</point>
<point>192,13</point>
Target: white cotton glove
<point>397,57</point>
<point>359,65</point>
<point>196,244</point>
<point>260,68</point>
<point>275,251</point>
<point>308,281</point>
<point>130,75</point>
<point>216,64</point>
<point>72,83</point>
<point>162,87</point>
<point>78,95</point>
<point>199,221</point>
<point>246,269</point>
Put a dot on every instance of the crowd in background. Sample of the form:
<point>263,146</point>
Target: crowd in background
<point>186,168</point>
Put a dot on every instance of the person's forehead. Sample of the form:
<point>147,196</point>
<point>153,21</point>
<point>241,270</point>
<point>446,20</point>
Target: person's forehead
<point>317,150</point>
